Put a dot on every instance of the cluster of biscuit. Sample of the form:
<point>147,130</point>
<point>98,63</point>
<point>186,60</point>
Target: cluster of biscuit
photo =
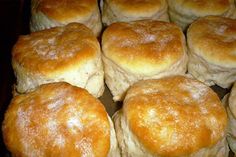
<point>160,71</point>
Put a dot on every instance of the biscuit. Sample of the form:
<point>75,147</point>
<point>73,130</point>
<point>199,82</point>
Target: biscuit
<point>212,50</point>
<point>126,11</point>
<point>70,53</point>
<point>58,119</point>
<point>184,12</point>
<point>141,50</point>
<point>50,13</point>
<point>171,116</point>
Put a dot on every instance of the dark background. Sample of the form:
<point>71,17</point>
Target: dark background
<point>14,17</point>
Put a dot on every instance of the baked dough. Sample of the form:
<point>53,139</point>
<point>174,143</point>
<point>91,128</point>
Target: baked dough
<point>132,10</point>
<point>51,13</point>
<point>141,50</point>
<point>59,120</point>
<point>184,12</point>
<point>172,116</point>
<point>212,50</point>
<point>70,53</point>
<point>230,102</point>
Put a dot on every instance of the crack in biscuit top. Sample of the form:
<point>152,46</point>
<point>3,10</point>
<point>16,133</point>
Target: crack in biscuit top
<point>56,48</point>
<point>150,45</point>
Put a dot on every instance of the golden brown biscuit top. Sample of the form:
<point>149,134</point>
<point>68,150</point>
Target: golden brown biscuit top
<point>66,10</point>
<point>214,39</point>
<point>144,46</point>
<point>174,115</point>
<point>138,7</point>
<point>201,7</point>
<point>57,120</point>
<point>56,49</point>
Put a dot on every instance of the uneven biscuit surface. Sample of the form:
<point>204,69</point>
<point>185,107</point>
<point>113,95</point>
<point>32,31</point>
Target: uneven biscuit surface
<point>145,47</point>
<point>50,13</point>
<point>213,38</point>
<point>212,50</point>
<point>66,10</point>
<point>140,50</point>
<point>126,10</point>
<point>174,115</point>
<point>201,7</point>
<point>56,120</point>
<point>184,12</point>
<point>137,7</point>
<point>69,53</point>
<point>54,50</point>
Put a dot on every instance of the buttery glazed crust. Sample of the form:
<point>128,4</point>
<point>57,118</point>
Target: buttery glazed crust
<point>57,120</point>
<point>60,47</point>
<point>125,10</point>
<point>58,54</point>
<point>185,12</point>
<point>62,12</point>
<point>212,44</point>
<point>137,7</point>
<point>143,47</point>
<point>65,10</point>
<point>139,50</point>
<point>213,38</point>
<point>201,7</point>
<point>173,115</point>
